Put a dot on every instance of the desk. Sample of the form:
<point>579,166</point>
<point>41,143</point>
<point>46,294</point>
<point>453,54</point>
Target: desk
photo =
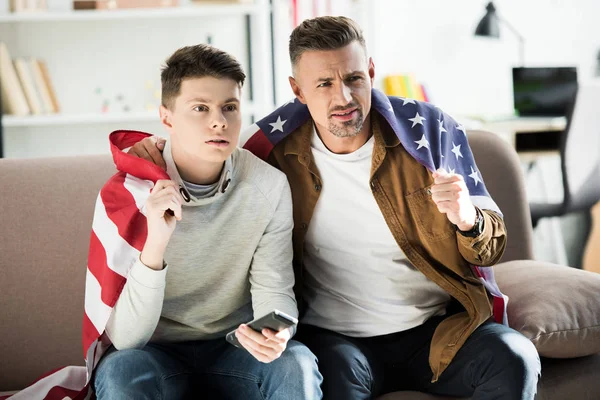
<point>511,128</point>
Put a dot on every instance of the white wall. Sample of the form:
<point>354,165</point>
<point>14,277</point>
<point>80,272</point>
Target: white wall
<point>471,75</point>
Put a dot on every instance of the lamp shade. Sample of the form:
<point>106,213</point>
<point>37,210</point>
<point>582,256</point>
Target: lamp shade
<point>489,24</point>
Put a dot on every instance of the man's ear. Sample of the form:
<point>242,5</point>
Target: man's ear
<point>296,89</point>
<point>371,70</point>
<point>165,117</point>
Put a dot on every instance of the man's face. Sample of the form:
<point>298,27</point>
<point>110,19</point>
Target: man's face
<point>205,119</point>
<point>336,87</point>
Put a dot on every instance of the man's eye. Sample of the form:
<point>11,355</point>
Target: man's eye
<point>230,107</point>
<point>200,108</point>
<point>354,78</point>
<point>324,84</point>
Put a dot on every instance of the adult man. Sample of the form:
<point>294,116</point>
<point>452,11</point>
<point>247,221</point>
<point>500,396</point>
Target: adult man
<point>384,237</point>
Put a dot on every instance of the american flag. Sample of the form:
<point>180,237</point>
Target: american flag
<point>118,235</point>
<point>427,133</point>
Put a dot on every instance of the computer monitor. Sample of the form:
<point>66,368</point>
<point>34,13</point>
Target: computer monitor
<point>544,91</point>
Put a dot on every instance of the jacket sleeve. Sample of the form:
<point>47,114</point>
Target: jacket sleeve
<point>487,248</point>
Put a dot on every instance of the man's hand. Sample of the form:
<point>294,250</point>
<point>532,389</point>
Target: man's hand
<point>150,149</point>
<point>451,196</point>
<point>163,210</point>
<point>265,347</point>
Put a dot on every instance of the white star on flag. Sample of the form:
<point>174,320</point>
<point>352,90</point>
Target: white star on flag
<point>461,128</point>
<point>474,174</point>
<point>422,143</point>
<point>408,101</point>
<point>456,150</point>
<point>442,129</point>
<point>451,170</point>
<point>278,125</point>
<point>417,120</point>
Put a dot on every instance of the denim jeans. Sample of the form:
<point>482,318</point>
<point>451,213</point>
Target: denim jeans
<point>212,369</point>
<point>495,363</point>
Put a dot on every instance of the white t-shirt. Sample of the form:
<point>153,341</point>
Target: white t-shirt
<point>358,281</point>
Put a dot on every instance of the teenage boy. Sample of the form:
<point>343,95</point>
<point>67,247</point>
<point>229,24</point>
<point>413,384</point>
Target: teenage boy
<point>215,242</point>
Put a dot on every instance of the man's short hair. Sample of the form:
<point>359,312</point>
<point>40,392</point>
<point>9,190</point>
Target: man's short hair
<point>324,33</point>
<point>197,62</point>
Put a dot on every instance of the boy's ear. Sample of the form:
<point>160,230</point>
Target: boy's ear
<point>165,116</point>
<point>296,89</point>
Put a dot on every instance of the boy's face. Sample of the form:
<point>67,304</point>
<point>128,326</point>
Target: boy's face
<point>336,87</point>
<point>205,119</point>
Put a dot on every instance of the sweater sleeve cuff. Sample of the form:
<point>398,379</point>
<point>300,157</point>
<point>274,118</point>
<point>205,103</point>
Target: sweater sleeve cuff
<point>148,277</point>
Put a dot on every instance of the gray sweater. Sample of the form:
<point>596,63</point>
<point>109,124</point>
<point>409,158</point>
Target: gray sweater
<point>229,260</point>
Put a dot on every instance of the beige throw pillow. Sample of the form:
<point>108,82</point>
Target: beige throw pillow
<point>556,307</point>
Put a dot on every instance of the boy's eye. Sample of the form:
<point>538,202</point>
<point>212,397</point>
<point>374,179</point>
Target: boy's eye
<point>230,107</point>
<point>200,108</point>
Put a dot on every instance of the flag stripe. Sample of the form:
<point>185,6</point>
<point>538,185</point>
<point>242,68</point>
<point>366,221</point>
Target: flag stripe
<point>121,207</point>
<point>259,145</point>
<point>90,334</point>
<point>139,190</point>
<point>120,255</point>
<point>112,282</point>
<point>95,309</point>
<point>70,379</point>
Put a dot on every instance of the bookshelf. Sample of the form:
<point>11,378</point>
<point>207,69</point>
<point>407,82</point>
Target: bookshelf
<point>243,29</point>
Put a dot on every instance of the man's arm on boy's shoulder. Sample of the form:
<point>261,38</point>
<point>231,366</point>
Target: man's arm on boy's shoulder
<point>271,273</point>
<point>150,149</point>
<point>137,312</point>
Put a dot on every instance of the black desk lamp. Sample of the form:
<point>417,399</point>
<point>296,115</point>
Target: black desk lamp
<point>489,26</point>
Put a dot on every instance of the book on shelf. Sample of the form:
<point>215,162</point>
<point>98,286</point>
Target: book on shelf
<point>405,86</point>
<point>42,77</point>
<point>29,88</point>
<point>122,4</point>
<point>13,97</point>
<point>25,86</point>
<point>18,6</point>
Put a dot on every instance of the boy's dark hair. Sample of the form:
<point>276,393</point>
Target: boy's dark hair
<point>324,33</point>
<point>196,62</point>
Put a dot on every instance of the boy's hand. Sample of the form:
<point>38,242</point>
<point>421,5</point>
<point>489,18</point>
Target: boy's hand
<point>150,149</point>
<point>266,346</point>
<point>163,210</point>
<point>451,195</point>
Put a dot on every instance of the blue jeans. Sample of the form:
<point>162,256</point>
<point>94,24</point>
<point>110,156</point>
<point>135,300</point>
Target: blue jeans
<point>495,363</point>
<point>212,369</point>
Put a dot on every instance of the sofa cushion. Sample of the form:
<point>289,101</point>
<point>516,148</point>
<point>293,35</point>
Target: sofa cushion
<point>557,307</point>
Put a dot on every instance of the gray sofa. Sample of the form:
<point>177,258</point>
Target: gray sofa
<point>46,212</point>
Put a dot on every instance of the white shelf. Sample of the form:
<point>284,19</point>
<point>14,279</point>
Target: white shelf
<point>204,10</point>
<point>10,121</point>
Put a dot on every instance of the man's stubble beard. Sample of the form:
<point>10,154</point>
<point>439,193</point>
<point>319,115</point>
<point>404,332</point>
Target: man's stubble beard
<point>348,128</point>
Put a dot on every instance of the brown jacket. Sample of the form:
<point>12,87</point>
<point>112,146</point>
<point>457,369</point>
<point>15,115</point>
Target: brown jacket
<point>425,235</point>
